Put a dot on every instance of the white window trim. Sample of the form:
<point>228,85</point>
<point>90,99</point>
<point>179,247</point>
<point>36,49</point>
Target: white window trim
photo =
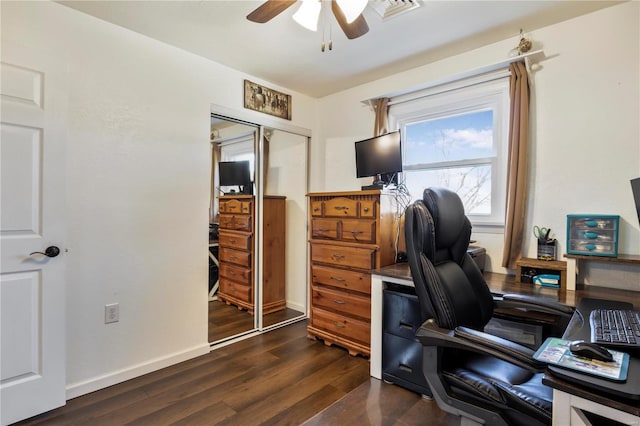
<point>488,91</point>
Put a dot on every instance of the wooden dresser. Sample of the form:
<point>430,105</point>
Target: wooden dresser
<point>351,233</point>
<point>236,254</point>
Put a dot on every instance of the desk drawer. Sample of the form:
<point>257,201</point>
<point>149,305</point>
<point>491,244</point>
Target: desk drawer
<point>354,257</point>
<point>236,273</point>
<point>238,257</point>
<point>350,328</point>
<point>341,278</point>
<point>342,302</point>
<point>235,240</point>
<point>236,222</point>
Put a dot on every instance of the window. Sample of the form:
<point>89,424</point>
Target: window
<point>457,139</point>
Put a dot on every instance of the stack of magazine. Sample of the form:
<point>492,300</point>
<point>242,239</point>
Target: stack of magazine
<point>556,352</point>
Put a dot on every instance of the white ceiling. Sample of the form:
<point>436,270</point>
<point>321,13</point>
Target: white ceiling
<point>282,52</point>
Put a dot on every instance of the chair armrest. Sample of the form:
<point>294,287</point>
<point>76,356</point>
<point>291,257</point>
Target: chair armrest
<point>463,338</point>
<point>533,303</point>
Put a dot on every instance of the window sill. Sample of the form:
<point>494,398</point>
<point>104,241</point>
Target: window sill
<point>487,228</point>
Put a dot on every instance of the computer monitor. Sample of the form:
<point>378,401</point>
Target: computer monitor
<point>635,188</point>
<point>380,157</point>
<point>235,173</point>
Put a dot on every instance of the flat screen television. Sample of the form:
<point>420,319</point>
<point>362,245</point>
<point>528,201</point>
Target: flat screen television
<point>235,173</point>
<point>380,157</point>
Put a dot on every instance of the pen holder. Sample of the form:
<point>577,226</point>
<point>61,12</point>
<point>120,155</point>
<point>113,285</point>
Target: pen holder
<point>547,249</point>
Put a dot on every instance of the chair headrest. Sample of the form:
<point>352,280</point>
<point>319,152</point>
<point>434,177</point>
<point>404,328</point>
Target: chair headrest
<point>448,215</point>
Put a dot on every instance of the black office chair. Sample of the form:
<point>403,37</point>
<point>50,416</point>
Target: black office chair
<point>482,378</point>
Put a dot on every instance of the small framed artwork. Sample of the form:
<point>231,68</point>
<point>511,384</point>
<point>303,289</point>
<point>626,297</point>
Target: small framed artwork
<point>265,100</point>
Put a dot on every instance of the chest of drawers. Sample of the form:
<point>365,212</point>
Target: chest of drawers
<point>351,233</point>
<point>238,258</point>
<point>595,235</point>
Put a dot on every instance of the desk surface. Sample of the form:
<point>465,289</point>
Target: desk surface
<point>505,284</point>
<point>622,396</point>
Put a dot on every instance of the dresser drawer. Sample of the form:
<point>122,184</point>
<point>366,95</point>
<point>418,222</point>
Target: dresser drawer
<point>238,257</point>
<point>236,222</point>
<point>359,230</point>
<point>235,206</point>
<point>341,207</point>
<point>368,208</point>
<point>233,289</point>
<point>235,240</point>
<point>317,209</point>
<point>324,228</point>
<point>354,257</point>
<point>341,278</point>
<point>342,302</point>
<point>349,328</point>
<point>239,274</point>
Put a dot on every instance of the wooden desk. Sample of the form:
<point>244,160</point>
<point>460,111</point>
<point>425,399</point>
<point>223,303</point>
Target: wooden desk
<point>498,283</point>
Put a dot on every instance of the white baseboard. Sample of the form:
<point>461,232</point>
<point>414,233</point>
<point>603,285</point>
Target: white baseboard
<point>81,388</point>
<point>296,307</point>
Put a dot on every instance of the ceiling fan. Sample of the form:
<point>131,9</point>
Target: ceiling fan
<point>352,23</point>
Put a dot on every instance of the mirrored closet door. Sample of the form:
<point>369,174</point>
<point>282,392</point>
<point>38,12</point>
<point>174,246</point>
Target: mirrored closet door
<point>258,269</point>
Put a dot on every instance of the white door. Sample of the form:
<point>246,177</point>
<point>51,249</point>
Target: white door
<point>32,189</point>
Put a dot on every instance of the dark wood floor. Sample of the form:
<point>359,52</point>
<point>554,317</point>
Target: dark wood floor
<point>278,378</point>
<point>227,320</point>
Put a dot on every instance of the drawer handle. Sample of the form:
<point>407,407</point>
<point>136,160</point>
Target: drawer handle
<point>233,257</point>
<point>357,232</point>
<point>323,230</point>
<point>340,280</point>
<point>232,240</point>
<point>590,247</point>
<point>339,325</point>
<point>337,256</point>
<point>339,302</point>
<point>316,209</point>
<point>366,209</point>
<point>232,273</point>
<point>590,235</point>
<point>340,207</point>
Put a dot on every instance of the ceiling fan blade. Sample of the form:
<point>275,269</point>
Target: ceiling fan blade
<point>357,28</point>
<point>269,10</point>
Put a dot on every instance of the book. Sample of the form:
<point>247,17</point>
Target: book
<point>556,351</point>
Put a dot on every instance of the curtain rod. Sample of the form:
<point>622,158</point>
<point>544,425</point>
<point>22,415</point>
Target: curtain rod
<point>527,58</point>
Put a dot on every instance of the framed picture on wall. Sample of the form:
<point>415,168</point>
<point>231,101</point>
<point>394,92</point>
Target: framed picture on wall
<point>265,100</point>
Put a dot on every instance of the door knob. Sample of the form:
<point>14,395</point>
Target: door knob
<point>51,251</point>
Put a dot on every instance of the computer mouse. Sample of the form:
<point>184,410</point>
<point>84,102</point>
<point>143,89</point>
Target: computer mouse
<point>590,350</point>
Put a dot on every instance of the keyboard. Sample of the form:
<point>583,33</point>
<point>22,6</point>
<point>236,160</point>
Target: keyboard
<point>615,328</point>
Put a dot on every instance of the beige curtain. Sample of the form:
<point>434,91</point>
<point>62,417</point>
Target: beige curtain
<point>381,108</point>
<point>517,165</point>
<point>213,203</point>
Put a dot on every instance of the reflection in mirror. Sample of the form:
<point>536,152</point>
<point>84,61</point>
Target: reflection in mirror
<point>231,286</point>
<point>256,227</point>
<point>285,179</point>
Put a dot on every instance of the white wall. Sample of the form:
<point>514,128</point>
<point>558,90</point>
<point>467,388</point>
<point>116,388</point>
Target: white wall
<point>585,125</point>
<point>138,188</point>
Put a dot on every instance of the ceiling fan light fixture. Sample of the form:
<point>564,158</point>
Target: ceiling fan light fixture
<point>352,8</point>
<point>308,13</point>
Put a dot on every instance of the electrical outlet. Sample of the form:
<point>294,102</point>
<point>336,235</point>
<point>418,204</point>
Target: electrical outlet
<point>111,313</point>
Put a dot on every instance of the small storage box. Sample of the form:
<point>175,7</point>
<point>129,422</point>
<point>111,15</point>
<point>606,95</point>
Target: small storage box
<point>593,235</point>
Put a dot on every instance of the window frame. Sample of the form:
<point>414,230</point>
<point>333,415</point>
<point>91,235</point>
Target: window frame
<point>475,97</point>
